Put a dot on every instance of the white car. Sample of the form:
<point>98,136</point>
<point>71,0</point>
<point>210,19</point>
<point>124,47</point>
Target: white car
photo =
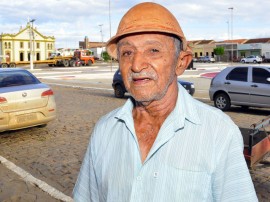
<point>252,59</point>
<point>208,59</point>
<point>24,100</point>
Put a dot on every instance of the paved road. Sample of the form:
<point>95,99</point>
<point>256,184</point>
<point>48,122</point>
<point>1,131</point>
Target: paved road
<point>54,153</point>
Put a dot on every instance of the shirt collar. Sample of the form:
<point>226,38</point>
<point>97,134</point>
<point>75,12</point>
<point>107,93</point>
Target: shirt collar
<point>185,109</point>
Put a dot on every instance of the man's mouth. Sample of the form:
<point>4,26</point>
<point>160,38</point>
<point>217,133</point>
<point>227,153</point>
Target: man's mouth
<point>138,80</point>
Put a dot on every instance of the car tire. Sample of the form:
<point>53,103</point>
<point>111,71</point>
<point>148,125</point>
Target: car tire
<point>243,61</point>
<point>66,63</point>
<point>12,65</point>
<point>222,101</point>
<point>72,63</point>
<point>4,65</point>
<point>254,61</point>
<point>119,91</point>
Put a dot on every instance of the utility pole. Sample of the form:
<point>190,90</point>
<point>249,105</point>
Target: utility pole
<point>110,26</point>
<point>228,39</point>
<point>101,32</point>
<point>231,8</point>
<point>101,37</point>
<point>31,35</point>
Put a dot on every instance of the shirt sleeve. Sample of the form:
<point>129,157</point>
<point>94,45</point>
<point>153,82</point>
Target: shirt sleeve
<point>86,189</point>
<point>232,180</point>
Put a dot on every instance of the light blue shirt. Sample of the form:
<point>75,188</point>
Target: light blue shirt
<point>197,156</point>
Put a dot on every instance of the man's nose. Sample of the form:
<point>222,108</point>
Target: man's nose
<point>139,62</point>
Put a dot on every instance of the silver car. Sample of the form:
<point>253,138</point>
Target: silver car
<point>242,86</point>
<point>24,100</point>
<point>252,59</point>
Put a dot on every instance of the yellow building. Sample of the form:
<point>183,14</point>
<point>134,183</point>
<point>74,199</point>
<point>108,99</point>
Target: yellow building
<point>17,47</point>
<point>202,48</point>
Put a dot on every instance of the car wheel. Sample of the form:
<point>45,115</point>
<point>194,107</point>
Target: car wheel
<point>243,61</point>
<point>254,61</point>
<point>222,101</point>
<point>4,65</point>
<point>66,63</point>
<point>72,63</point>
<point>12,65</point>
<point>119,91</point>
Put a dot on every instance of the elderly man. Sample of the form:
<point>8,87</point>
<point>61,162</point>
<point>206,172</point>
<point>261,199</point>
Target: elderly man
<point>162,145</point>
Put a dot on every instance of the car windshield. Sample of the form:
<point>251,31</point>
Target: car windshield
<point>17,78</point>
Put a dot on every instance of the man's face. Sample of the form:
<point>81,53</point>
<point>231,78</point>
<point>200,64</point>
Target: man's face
<point>147,64</point>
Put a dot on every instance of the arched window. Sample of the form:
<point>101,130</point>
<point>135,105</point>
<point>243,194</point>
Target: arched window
<point>38,56</point>
<point>21,56</point>
<point>5,45</point>
<point>9,45</point>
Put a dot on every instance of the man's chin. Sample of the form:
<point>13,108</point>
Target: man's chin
<point>145,99</point>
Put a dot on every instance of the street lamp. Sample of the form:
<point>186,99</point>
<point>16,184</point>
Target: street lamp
<point>31,43</point>
<point>101,35</point>
<point>231,8</point>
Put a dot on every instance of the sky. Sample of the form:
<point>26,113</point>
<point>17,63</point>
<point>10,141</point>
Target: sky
<point>69,21</point>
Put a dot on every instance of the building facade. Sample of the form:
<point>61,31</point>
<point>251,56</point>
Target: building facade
<point>233,49</point>
<point>97,48</point>
<point>18,47</point>
<point>202,48</point>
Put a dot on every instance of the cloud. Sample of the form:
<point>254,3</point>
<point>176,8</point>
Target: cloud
<point>70,21</point>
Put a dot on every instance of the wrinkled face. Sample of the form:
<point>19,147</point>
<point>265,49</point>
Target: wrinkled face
<point>147,64</point>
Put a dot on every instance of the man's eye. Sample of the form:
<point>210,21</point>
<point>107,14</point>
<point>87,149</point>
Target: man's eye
<point>153,50</point>
<point>126,53</point>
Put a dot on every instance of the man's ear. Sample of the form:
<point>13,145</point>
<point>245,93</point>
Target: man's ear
<point>184,59</point>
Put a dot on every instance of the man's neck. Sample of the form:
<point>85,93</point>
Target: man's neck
<point>148,119</point>
<point>158,108</point>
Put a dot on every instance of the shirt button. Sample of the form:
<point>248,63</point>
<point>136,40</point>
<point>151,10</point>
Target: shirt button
<point>155,174</point>
<point>139,178</point>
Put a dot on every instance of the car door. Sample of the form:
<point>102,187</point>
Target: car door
<point>236,84</point>
<point>260,87</point>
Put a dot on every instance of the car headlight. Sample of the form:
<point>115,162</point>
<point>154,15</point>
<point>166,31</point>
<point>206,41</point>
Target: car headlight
<point>192,86</point>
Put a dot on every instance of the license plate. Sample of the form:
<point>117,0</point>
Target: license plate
<point>26,118</point>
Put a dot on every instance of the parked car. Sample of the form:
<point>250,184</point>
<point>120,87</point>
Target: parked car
<point>208,59</point>
<point>251,59</point>
<point>195,59</point>
<point>24,100</point>
<point>243,86</point>
<point>120,90</point>
<point>200,59</point>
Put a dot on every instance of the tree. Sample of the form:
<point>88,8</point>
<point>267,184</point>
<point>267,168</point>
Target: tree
<point>105,56</point>
<point>219,51</point>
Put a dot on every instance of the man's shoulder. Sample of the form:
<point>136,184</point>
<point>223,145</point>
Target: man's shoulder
<point>210,113</point>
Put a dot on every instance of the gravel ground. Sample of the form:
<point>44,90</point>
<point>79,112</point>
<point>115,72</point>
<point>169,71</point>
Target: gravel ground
<point>54,153</point>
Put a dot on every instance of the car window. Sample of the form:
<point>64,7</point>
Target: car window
<point>259,75</point>
<point>17,78</point>
<point>238,74</point>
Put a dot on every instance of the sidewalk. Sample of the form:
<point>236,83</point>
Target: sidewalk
<point>13,188</point>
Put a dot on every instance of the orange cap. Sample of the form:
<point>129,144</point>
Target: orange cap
<point>146,17</point>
